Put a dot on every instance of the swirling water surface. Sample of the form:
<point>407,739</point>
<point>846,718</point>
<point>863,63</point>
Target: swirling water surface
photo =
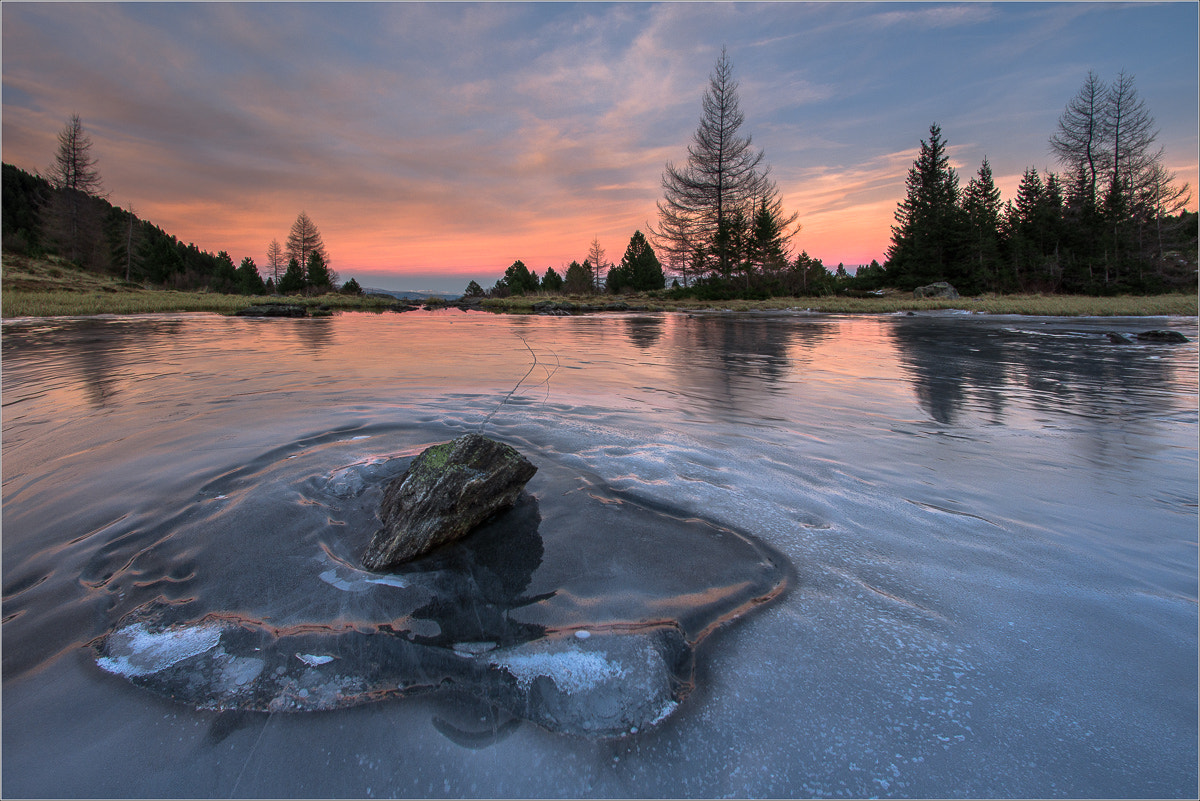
<point>977,537</point>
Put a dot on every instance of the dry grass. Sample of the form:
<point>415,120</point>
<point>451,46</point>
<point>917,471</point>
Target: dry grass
<point>23,274</point>
<point>53,288</point>
<point>149,301</point>
<point>74,303</point>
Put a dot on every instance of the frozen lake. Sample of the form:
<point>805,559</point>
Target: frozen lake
<point>903,556</point>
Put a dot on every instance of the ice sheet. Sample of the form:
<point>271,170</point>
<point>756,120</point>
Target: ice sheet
<point>991,523</point>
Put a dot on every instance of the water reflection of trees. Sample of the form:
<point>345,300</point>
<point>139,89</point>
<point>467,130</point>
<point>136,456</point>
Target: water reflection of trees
<point>102,371</point>
<point>644,332</point>
<point>951,371</point>
<point>731,363</point>
<point>98,357</point>
<point>315,335</point>
<point>959,367</point>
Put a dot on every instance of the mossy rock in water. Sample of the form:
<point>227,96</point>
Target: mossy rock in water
<point>447,491</point>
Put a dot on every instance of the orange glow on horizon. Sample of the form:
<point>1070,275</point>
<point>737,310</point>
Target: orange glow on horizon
<point>853,235</point>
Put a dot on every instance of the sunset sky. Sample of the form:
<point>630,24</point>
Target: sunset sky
<point>435,143</point>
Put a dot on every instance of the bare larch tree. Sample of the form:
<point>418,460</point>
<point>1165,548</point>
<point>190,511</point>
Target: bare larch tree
<point>304,239</point>
<point>70,218</point>
<point>719,184</point>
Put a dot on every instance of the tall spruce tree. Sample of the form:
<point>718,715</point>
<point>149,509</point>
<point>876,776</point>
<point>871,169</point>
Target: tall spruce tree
<point>552,281</point>
<point>317,277</point>
<point>809,277</point>
<point>293,279</point>
<point>519,279</point>
<point>769,235</point>
<point>639,270</point>
<point>981,204</point>
<point>249,282</point>
<point>723,176</point>
<point>578,279</point>
<point>224,276</point>
<point>1050,218</point>
<point>1034,223</point>
<point>928,239</point>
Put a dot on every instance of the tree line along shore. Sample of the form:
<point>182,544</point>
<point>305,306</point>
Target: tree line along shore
<point>52,287</point>
<point>1115,221</point>
<point>1112,226</point>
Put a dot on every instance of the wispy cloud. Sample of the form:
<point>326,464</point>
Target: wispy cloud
<point>938,15</point>
<point>427,137</point>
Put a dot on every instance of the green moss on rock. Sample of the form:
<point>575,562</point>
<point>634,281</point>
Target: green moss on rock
<point>448,490</point>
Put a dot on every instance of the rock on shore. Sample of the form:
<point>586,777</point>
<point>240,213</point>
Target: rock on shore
<point>941,289</point>
<point>274,310</point>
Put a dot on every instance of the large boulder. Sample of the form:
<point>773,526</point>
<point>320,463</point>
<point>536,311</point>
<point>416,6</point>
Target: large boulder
<point>447,491</point>
<point>941,289</point>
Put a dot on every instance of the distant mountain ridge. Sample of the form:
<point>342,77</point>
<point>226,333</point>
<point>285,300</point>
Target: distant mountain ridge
<point>414,294</point>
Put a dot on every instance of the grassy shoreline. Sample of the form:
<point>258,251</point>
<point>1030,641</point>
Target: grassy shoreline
<point>38,288</point>
<point>19,304</point>
<point>53,288</point>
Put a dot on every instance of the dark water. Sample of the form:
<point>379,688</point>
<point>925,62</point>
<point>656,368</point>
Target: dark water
<point>946,555</point>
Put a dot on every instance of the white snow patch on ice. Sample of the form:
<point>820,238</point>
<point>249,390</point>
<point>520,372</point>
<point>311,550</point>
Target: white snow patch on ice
<point>390,581</point>
<point>137,651</point>
<point>571,671</point>
<point>331,577</point>
<point>350,580</point>
<point>668,707</point>
<point>312,660</point>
